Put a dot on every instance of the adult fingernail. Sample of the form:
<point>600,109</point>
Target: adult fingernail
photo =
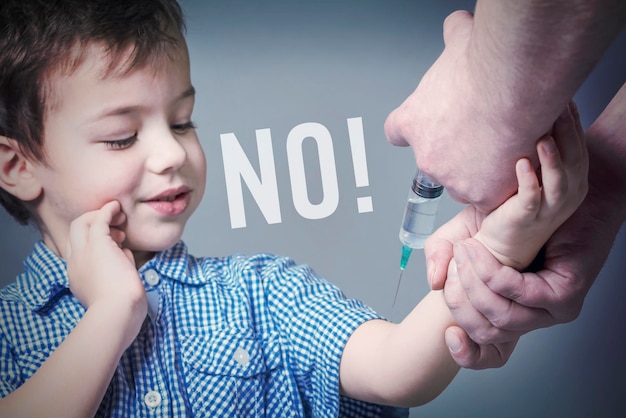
<point>453,342</point>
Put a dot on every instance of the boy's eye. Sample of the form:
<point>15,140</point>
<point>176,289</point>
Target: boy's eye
<point>121,143</point>
<point>183,127</point>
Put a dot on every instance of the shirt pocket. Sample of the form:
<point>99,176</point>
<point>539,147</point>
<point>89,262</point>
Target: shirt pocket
<point>233,373</point>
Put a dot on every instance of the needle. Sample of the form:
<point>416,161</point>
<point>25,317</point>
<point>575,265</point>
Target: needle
<point>406,253</point>
<point>397,288</point>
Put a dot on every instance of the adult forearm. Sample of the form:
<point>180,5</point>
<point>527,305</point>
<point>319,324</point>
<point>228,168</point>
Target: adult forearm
<point>606,200</point>
<point>533,55</point>
<point>606,141</point>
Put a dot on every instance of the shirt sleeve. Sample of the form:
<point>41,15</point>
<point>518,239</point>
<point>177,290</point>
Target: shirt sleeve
<point>316,320</point>
<point>9,371</point>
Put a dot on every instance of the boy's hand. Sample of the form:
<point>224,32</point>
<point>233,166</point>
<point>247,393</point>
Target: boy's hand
<point>101,273</point>
<point>516,230</point>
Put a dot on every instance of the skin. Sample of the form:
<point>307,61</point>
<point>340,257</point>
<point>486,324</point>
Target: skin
<point>507,71</point>
<point>495,305</point>
<point>504,76</point>
<point>95,201</point>
<point>109,153</point>
<point>411,357</point>
<point>167,154</point>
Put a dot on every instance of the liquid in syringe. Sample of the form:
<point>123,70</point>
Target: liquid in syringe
<point>418,222</point>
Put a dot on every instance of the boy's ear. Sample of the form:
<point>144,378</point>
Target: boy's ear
<point>16,171</point>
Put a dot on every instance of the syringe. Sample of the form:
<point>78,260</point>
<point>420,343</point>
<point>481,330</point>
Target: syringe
<point>419,218</point>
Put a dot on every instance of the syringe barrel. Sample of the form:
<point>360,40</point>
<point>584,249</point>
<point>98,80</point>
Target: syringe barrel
<point>421,210</point>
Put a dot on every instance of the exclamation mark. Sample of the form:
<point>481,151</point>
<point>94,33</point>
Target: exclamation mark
<point>359,162</point>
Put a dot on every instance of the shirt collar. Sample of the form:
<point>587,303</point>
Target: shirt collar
<point>175,264</point>
<point>44,278</point>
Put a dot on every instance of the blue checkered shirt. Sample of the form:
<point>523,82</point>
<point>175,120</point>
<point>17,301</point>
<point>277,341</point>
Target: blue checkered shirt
<point>224,337</point>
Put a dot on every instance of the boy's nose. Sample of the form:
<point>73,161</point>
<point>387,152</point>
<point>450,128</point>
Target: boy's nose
<point>166,154</point>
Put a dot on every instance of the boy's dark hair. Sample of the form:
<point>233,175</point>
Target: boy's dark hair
<point>41,38</point>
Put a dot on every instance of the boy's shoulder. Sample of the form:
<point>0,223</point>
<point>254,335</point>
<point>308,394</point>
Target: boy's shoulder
<point>10,294</point>
<point>43,275</point>
<point>258,266</point>
<point>236,269</point>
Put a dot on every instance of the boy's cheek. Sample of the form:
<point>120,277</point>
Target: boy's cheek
<point>97,202</point>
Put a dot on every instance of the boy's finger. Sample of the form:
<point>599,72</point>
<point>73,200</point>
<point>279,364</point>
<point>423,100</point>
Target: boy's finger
<point>553,176</point>
<point>438,247</point>
<point>119,218</point>
<point>117,235</point>
<point>528,190</point>
<point>103,218</point>
<point>79,231</point>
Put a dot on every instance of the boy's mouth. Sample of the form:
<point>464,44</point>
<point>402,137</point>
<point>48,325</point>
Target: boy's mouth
<point>170,198</point>
<point>170,195</point>
<point>172,202</point>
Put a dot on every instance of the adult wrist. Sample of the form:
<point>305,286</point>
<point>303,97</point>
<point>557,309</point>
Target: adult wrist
<point>607,189</point>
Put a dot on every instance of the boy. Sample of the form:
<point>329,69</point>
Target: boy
<point>113,317</point>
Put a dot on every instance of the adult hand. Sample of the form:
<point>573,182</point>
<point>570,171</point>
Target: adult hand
<point>461,137</point>
<point>495,305</point>
<point>515,230</point>
<point>503,78</point>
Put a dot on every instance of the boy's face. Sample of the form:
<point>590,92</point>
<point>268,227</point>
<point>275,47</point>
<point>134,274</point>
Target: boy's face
<point>122,137</point>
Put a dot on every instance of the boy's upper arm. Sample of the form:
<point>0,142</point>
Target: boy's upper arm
<point>317,319</point>
<point>9,371</point>
<point>357,356</point>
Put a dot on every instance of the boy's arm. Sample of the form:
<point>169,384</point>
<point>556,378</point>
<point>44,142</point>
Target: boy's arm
<point>515,231</point>
<point>405,364</point>
<point>74,379</point>
<point>409,363</point>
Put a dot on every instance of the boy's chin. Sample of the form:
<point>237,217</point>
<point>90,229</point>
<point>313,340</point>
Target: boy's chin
<point>151,246</point>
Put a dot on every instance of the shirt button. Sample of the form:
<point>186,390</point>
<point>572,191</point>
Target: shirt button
<point>242,357</point>
<point>152,277</point>
<point>152,399</point>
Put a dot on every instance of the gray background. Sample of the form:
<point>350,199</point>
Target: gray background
<point>277,64</point>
